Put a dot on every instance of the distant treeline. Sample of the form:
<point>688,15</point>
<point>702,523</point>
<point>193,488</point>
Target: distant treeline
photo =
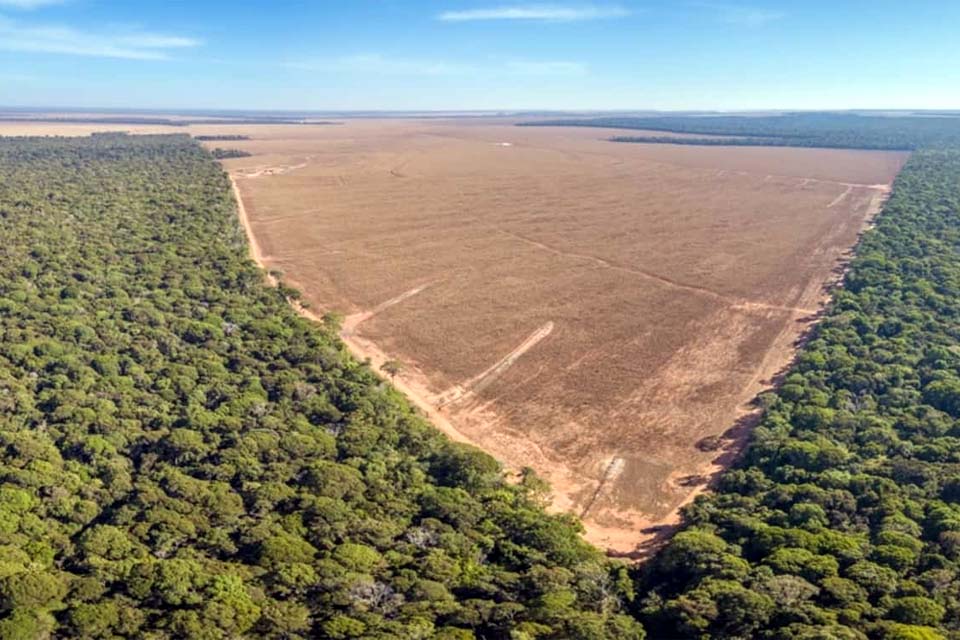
<point>96,120</point>
<point>827,130</point>
<point>224,138</point>
<point>701,142</point>
<point>223,154</point>
<point>160,121</point>
<point>843,519</point>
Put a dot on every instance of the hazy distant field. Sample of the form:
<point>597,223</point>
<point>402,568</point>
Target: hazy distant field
<point>590,309</point>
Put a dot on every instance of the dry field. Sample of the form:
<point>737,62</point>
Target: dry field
<point>590,309</point>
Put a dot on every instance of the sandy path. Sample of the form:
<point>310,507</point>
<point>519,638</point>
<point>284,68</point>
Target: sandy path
<point>351,322</point>
<point>840,198</point>
<point>362,350</point>
<point>484,378</point>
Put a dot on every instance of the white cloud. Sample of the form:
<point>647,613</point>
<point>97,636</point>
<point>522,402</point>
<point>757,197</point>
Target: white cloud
<point>132,44</point>
<point>377,64</point>
<point>29,4</point>
<point>374,63</point>
<point>741,15</point>
<point>155,41</point>
<point>549,68</point>
<point>536,12</point>
<point>751,17</point>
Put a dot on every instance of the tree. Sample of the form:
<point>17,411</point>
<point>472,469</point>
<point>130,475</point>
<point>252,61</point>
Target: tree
<point>392,368</point>
<point>917,610</point>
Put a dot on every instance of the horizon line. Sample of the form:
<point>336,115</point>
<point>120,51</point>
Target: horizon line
<point>493,110</point>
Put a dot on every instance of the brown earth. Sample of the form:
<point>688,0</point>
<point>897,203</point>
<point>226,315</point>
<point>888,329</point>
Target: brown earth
<point>590,309</point>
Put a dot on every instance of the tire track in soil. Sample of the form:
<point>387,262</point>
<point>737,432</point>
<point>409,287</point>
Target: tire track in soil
<point>352,321</point>
<point>481,380</point>
<point>736,303</point>
<point>612,471</point>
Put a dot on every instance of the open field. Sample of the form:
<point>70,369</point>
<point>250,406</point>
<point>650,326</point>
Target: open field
<point>589,309</point>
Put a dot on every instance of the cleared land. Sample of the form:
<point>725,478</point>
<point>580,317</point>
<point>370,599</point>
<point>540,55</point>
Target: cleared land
<point>590,309</point>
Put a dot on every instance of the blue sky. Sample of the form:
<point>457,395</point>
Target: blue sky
<point>417,54</point>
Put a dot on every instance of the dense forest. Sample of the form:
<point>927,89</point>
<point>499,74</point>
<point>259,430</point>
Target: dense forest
<point>843,520</point>
<point>751,141</point>
<point>226,137</point>
<point>167,121</point>
<point>182,456</point>
<point>828,130</point>
<point>224,154</point>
